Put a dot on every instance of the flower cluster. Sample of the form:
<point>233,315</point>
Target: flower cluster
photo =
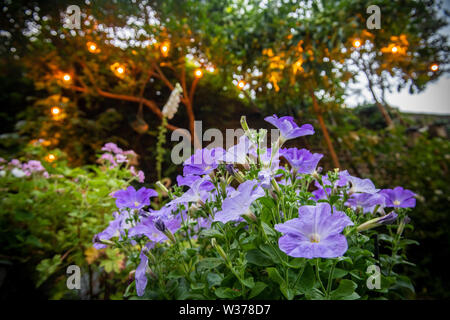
<point>171,107</point>
<point>114,156</point>
<point>20,170</point>
<point>277,192</point>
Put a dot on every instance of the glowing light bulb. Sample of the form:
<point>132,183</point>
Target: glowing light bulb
<point>434,67</point>
<point>357,43</point>
<point>67,77</point>
<point>55,111</point>
<point>165,48</point>
<point>241,84</point>
<point>92,47</point>
<point>394,49</point>
<point>50,157</point>
<point>198,73</point>
<point>120,70</point>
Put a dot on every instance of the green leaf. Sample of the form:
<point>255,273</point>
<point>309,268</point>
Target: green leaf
<point>227,293</point>
<point>345,290</point>
<point>270,252</point>
<point>249,282</point>
<point>47,267</point>
<point>339,273</point>
<point>211,233</point>
<point>275,275</point>
<point>258,258</point>
<point>306,282</point>
<point>208,264</point>
<point>287,292</point>
<point>257,289</point>
<point>296,263</point>
<point>214,279</point>
<point>268,230</point>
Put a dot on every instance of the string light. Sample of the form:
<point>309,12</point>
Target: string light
<point>165,48</point>
<point>394,49</point>
<point>118,69</point>
<point>357,43</point>
<point>55,111</point>
<point>434,67</point>
<point>211,69</point>
<point>92,47</point>
<point>198,73</point>
<point>50,157</point>
<point>241,84</point>
<point>67,77</point>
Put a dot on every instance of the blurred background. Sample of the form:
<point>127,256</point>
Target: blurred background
<point>75,75</point>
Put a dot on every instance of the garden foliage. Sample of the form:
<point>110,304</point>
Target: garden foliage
<point>49,212</point>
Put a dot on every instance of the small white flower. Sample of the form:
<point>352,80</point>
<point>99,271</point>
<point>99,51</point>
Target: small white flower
<point>18,173</point>
<point>2,173</point>
<point>171,106</point>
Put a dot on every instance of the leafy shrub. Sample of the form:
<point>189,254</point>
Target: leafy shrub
<point>49,213</point>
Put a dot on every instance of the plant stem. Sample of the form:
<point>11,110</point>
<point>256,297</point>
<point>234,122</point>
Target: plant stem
<point>318,275</point>
<point>330,279</point>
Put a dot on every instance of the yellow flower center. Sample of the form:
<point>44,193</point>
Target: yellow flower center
<point>396,202</point>
<point>136,203</point>
<point>314,238</point>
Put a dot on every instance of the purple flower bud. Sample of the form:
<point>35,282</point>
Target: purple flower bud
<point>160,225</point>
<point>388,219</point>
<point>230,169</point>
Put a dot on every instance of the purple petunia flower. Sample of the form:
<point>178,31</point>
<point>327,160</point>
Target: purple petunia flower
<point>361,185</point>
<point>187,181</point>
<point>238,202</point>
<point>149,227</point>
<point>115,229</point>
<point>130,198</point>
<point>141,270</point>
<point>288,128</point>
<point>399,197</point>
<point>203,161</point>
<point>238,153</point>
<point>198,193</point>
<point>265,177</point>
<point>302,160</point>
<point>388,218</point>
<point>341,181</point>
<point>366,201</point>
<point>316,233</point>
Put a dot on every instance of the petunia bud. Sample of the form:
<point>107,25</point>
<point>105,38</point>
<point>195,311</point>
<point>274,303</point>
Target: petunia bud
<point>244,124</point>
<point>251,215</point>
<point>170,235</point>
<point>162,187</point>
<point>103,241</point>
<point>275,185</point>
<point>384,220</point>
<point>239,177</point>
<point>230,169</point>
<point>160,225</point>
<point>219,249</point>
<point>402,224</point>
